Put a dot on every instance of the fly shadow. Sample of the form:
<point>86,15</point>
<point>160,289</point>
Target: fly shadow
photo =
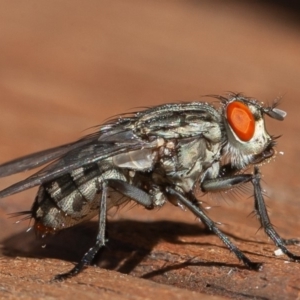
<point>129,243</point>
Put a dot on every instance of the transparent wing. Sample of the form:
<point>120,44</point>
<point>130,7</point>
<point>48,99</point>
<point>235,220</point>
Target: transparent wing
<point>37,159</point>
<point>72,160</point>
<point>111,139</point>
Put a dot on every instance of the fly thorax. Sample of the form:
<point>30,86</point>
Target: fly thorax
<point>246,133</point>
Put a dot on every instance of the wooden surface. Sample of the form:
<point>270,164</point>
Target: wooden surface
<point>68,65</point>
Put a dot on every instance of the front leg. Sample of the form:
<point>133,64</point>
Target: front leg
<point>224,183</point>
<point>228,182</point>
<point>264,219</point>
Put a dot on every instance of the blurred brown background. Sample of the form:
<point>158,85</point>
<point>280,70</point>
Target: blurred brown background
<point>68,65</point>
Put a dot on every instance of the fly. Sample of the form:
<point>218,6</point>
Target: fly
<point>164,153</point>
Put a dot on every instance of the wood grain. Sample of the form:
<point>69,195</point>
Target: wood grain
<point>68,65</point>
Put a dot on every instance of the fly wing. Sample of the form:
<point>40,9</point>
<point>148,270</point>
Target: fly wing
<point>37,159</point>
<point>71,157</point>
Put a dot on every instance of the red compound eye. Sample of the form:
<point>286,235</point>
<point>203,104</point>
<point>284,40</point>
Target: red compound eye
<point>241,120</point>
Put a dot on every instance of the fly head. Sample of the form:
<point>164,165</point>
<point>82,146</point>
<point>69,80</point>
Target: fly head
<point>247,140</point>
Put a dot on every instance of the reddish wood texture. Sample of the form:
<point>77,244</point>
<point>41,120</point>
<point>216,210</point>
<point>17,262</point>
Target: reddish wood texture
<point>69,65</point>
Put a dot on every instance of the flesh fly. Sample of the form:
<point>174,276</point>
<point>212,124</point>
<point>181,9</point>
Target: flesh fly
<point>164,153</point>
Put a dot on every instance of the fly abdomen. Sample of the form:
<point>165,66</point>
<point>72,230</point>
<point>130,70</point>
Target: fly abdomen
<point>73,198</point>
<point>60,204</point>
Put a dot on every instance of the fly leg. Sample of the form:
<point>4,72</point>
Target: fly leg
<point>225,183</point>
<point>291,241</point>
<point>126,189</point>
<point>196,209</point>
<point>100,240</point>
<point>264,219</point>
<point>131,192</point>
